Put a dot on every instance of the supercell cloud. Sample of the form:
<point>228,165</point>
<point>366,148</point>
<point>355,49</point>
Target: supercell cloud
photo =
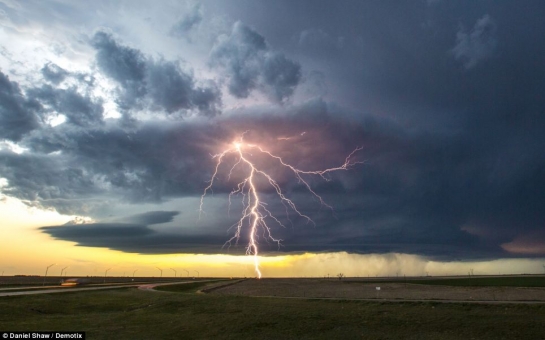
<point>117,116</point>
<point>250,64</point>
<point>160,84</point>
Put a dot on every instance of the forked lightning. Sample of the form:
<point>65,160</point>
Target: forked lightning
<point>255,213</point>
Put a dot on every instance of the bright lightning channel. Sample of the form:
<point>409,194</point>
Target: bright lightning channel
<point>255,212</point>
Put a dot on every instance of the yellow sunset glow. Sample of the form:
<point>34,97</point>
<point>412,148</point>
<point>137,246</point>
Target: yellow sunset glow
<point>27,251</point>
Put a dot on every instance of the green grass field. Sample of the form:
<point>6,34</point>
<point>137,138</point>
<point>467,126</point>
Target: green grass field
<point>133,314</point>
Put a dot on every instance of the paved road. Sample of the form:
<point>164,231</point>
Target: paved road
<point>72,289</point>
<point>58,287</point>
<point>151,286</point>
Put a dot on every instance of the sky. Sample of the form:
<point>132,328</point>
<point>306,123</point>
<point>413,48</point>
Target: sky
<point>111,114</point>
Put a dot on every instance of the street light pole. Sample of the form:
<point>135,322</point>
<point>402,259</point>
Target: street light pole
<point>106,273</point>
<point>175,272</point>
<point>134,272</point>
<point>198,274</point>
<point>186,272</point>
<point>46,269</point>
<point>63,270</point>
<point>160,270</point>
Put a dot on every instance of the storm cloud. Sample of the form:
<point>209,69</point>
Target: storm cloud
<point>444,98</point>
<point>161,82</point>
<point>477,45</point>
<point>187,22</point>
<point>251,64</point>
<point>18,114</point>
<point>423,193</point>
<point>80,110</point>
<point>132,234</point>
<point>53,73</point>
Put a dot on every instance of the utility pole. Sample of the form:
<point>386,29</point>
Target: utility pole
<point>46,269</point>
<point>134,272</point>
<point>186,272</point>
<point>175,272</point>
<point>198,274</point>
<point>160,270</point>
<point>106,273</point>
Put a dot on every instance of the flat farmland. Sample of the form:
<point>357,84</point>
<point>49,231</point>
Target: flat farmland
<point>411,290</point>
<point>177,312</point>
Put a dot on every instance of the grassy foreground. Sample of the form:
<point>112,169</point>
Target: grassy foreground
<point>133,314</point>
<point>190,287</point>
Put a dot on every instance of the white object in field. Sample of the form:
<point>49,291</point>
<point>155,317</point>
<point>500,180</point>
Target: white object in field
<point>378,288</point>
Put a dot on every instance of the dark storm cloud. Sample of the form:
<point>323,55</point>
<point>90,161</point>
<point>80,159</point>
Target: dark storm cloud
<point>17,113</point>
<point>423,193</point>
<point>48,182</point>
<point>124,64</point>
<point>80,110</point>
<point>480,43</point>
<point>446,99</point>
<point>93,231</point>
<point>152,217</point>
<point>173,90</point>
<point>134,236</point>
<point>162,82</point>
<point>187,23</point>
<point>317,41</point>
<point>149,162</point>
<point>53,73</point>
<point>130,163</point>
<point>251,64</point>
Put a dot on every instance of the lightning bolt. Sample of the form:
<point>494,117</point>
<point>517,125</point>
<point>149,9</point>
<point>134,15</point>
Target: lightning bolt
<point>255,212</point>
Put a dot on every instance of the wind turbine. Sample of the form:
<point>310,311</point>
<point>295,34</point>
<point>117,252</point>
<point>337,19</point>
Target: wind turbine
<point>46,269</point>
<point>106,273</point>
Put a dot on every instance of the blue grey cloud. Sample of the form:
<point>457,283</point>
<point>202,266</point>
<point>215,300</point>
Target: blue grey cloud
<point>251,64</point>
<point>479,44</point>
<point>18,114</point>
<point>445,97</point>
<point>187,22</point>
<point>54,73</point>
<point>152,217</point>
<point>161,82</point>
<point>80,110</point>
